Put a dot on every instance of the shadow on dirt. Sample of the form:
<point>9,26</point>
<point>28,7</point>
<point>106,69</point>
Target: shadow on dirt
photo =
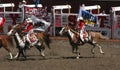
<point>38,57</point>
<point>73,57</point>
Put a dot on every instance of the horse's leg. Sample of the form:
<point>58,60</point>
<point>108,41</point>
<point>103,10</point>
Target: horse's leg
<point>100,48</point>
<point>93,49</point>
<point>92,42</point>
<point>21,52</point>
<point>47,41</point>
<point>16,55</point>
<point>73,49</point>
<point>77,52</point>
<point>43,52</point>
<point>41,49</point>
<point>94,45</point>
<point>9,51</point>
<point>11,56</point>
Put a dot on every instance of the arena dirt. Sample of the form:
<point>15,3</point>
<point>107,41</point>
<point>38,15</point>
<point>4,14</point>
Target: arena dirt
<point>60,57</point>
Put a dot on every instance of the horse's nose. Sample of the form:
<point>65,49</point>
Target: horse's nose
<point>8,33</point>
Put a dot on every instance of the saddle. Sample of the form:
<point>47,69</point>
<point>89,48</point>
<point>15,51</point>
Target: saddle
<point>85,37</point>
<point>85,34</point>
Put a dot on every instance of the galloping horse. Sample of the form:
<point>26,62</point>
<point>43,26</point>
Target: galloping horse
<point>75,42</point>
<point>40,45</point>
<point>7,42</point>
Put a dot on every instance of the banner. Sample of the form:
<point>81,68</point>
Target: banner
<point>36,20</point>
<point>89,18</point>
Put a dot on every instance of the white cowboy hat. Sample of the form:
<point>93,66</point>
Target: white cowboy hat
<point>28,20</point>
<point>24,1</point>
<point>79,18</point>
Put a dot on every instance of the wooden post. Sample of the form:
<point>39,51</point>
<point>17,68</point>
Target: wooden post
<point>98,9</point>
<point>68,9</point>
<point>12,7</point>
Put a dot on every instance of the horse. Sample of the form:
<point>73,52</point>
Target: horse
<point>7,42</point>
<point>43,40</point>
<point>74,40</point>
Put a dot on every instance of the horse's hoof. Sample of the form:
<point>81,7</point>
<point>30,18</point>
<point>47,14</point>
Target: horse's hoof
<point>25,58</point>
<point>42,55</point>
<point>77,57</point>
<point>10,58</point>
<point>93,52</point>
<point>103,53</point>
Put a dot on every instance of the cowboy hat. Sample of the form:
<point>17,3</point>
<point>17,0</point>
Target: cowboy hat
<point>79,18</point>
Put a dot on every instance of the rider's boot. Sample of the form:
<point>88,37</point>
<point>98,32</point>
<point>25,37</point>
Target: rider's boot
<point>81,39</point>
<point>82,42</point>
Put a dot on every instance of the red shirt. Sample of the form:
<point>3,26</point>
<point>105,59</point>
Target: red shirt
<point>81,24</point>
<point>29,27</point>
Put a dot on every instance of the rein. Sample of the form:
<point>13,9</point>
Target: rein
<point>73,31</point>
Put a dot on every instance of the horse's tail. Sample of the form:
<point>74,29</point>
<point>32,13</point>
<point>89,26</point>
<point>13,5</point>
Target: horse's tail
<point>103,37</point>
<point>97,35</point>
<point>47,40</point>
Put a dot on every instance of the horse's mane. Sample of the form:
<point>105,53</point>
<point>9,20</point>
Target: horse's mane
<point>74,31</point>
<point>75,38</point>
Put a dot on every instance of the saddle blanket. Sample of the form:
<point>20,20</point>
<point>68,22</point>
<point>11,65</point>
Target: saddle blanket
<point>32,39</point>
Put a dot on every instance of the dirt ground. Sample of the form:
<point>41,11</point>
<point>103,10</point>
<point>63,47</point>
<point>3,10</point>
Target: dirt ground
<point>60,57</point>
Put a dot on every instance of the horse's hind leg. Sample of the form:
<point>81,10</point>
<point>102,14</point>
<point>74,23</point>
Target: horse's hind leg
<point>94,45</point>
<point>100,48</point>
<point>41,50</point>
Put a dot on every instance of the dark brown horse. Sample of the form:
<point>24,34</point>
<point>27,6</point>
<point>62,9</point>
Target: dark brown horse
<point>74,40</point>
<point>43,39</point>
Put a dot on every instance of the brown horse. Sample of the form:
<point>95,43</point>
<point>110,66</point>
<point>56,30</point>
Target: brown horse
<point>43,40</point>
<point>74,40</point>
<point>7,42</point>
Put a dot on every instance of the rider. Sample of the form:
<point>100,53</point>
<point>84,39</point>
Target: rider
<point>30,37</point>
<point>81,28</point>
<point>28,25</point>
<point>72,21</point>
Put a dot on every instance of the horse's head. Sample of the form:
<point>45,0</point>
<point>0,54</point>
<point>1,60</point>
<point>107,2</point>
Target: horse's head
<point>16,28</point>
<point>64,29</point>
